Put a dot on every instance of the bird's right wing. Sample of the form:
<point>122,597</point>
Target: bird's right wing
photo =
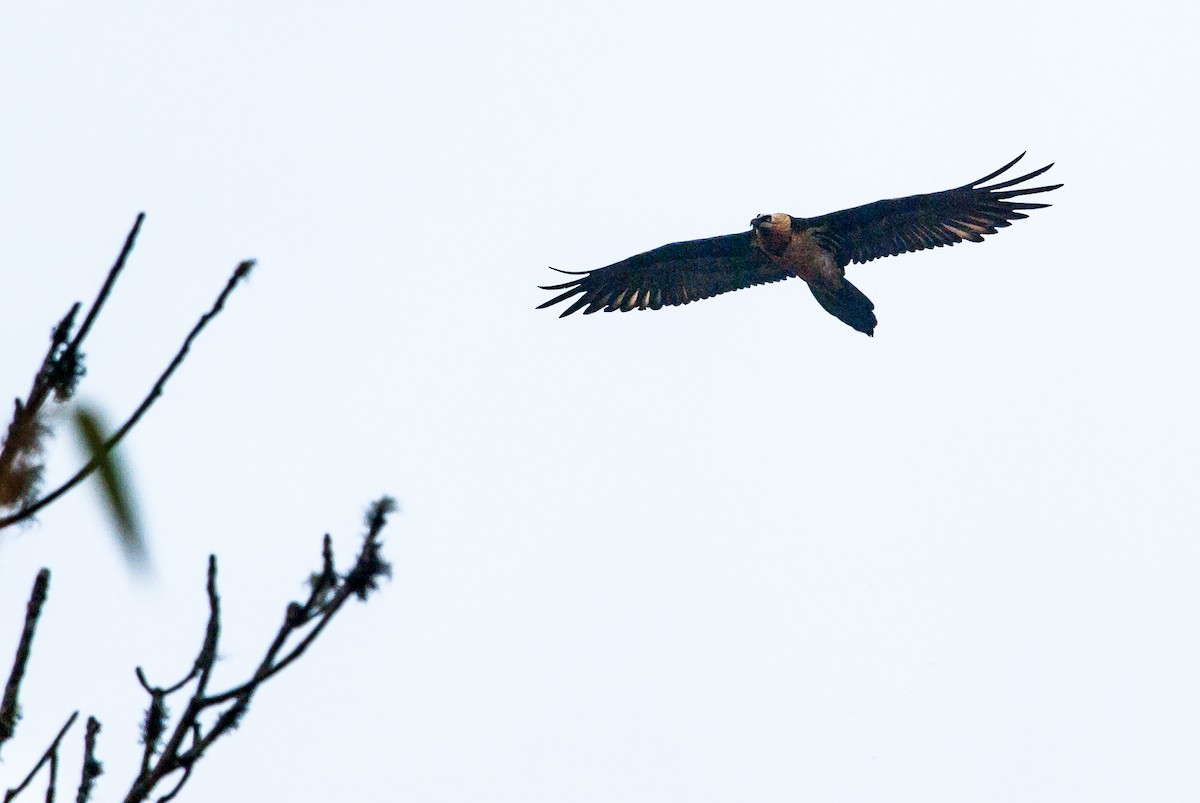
<point>674,274</point>
<point>898,225</point>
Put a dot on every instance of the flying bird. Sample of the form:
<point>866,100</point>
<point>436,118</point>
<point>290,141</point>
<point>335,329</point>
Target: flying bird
<point>816,249</point>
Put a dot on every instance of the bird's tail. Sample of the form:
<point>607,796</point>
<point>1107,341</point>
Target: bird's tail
<point>848,304</point>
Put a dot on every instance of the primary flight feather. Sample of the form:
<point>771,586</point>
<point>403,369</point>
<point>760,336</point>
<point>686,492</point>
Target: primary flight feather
<point>816,249</point>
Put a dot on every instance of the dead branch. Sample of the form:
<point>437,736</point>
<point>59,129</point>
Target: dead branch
<point>49,757</point>
<point>190,738</point>
<point>20,457</point>
<point>62,368</point>
<point>207,717</point>
<point>9,706</point>
<point>92,768</point>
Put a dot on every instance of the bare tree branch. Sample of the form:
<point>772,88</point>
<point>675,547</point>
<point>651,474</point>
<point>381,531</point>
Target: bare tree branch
<point>107,287</point>
<point>20,466</point>
<point>49,757</point>
<point>169,749</point>
<point>240,273</point>
<point>189,741</point>
<point>92,768</point>
<point>10,705</point>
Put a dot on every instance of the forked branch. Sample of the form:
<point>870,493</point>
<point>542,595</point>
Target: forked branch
<point>191,737</point>
<point>170,752</point>
<point>20,457</point>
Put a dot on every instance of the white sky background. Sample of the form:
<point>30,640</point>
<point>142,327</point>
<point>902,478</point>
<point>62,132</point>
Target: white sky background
<point>730,551</point>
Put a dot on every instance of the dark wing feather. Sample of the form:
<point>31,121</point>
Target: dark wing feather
<point>898,225</point>
<point>678,273</point>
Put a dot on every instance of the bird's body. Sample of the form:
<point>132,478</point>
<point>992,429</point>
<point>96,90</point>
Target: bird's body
<point>816,250</point>
<point>794,250</point>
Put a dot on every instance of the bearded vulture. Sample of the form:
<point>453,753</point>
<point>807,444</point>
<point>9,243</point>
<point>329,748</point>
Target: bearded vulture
<point>816,249</point>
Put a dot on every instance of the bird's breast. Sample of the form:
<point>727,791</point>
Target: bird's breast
<point>771,240</point>
<point>805,258</point>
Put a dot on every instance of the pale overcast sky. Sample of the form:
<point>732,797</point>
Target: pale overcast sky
<point>733,551</point>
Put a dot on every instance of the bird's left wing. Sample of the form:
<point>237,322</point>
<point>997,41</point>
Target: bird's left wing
<point>678,273</point>
<point>898,225</point>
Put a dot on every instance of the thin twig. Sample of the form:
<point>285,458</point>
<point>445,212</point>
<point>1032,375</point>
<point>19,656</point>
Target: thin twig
<point>141,676</point>
<point>187,773</point>
<point>33,610</point>
<point>187,743</point>
<point>269,666</point>
<point>52,786</point>
<point>51,756</point>
<point>212,634</point>
<point>59,372</point>
<point>92,768</point>
<point>239,273</point>
<point>202,667</point>
<point>153,726</point>
<point>22,443</point>
<point>107,287</point>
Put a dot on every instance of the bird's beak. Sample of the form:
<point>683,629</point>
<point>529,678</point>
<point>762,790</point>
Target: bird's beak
<point>758,221</point>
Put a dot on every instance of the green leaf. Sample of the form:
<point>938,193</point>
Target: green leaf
<point>114,485</point>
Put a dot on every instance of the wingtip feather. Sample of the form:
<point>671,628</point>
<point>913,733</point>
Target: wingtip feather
<point>561,297</point>
<point>991,176</point>
<point>1019,179</point>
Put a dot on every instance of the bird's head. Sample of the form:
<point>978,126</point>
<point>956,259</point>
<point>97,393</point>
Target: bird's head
<point>780,221</point>
<point>773,232</point>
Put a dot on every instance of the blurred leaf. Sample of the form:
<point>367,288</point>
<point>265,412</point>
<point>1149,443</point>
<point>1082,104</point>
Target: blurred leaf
<point>114,485</point>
